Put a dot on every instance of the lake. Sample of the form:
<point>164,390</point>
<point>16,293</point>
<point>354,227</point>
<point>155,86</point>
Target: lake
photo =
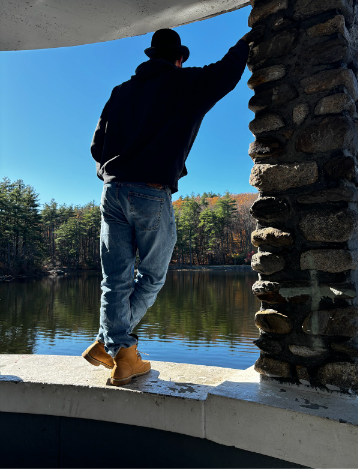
<point>199,317</point>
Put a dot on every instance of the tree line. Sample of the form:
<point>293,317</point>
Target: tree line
<point>211,229</point>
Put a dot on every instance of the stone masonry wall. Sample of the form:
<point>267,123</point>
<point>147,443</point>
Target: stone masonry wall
<point>304,73</point>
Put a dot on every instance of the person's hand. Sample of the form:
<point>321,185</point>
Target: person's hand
<point>246,37</point>
<point>254,34</point>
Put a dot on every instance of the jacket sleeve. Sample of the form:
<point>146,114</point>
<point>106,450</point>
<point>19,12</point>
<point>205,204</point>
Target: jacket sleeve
<point>218,79</point>
<point>98,137</point>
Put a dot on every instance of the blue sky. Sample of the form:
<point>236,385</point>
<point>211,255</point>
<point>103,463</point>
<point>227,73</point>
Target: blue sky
<point>51,100</point>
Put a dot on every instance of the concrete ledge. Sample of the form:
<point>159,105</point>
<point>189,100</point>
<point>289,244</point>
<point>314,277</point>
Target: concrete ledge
<point>230,407</point>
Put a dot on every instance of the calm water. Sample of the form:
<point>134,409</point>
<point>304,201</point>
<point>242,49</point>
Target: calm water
<point>204,318</point>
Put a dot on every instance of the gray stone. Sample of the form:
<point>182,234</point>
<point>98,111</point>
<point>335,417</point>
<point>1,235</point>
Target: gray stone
<point>269,209</point>
<point>339,194</point>
<point>267,263</point>
<point>344,375</point>
<point>349,348</point>
<point>335,322</point>
<point>341,167</point>
<point>270,320</point>
<point>305,8</point>
<point>302,374</point>
<point>264,147</point>
<point>336,24</point>
<point>300,112</point>
<point>333,133</point>
<point>265,75</point>
<point>333,50</point>
<point>329,260</point>
<point>276,96</point>
<point>335,104</point>
<point>268,345</point>
<point>278,46</point>
<point>265,123</point>
<point>280,177</point>
<point>281,24</point>
<point>308,352</point>
<point>267,291</point>
<point>329,79</point>
<point>261,12</point>
<point>271,237</point>
<point>276,293</point>
<point>273,368</point>
<point>334,227</point>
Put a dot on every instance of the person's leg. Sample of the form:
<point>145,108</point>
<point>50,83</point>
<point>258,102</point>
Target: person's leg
<point>152,215</point>
<point>118,250</point>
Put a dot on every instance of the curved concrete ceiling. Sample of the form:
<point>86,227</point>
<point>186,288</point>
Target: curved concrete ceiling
<point>41,24</point>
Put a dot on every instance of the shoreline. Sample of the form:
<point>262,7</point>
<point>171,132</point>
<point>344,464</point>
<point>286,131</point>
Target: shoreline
<point>64,271</point>
<point>212,267</point>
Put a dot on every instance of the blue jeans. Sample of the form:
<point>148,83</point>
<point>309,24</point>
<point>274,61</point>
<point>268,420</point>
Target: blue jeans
<point>133,215</point>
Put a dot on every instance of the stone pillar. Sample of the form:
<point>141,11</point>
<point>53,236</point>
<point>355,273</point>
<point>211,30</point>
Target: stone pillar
<point>304,73</point>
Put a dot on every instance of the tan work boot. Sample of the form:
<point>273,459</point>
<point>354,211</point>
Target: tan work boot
<point>96,355</point>
<point>127,364</point>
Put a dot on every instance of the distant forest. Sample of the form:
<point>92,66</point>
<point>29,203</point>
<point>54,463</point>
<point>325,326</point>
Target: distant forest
<point>211,229</point>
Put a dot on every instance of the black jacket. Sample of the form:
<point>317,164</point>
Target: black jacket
<point>150,122</point>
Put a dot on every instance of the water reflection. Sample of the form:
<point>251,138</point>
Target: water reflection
<point>199,317</point>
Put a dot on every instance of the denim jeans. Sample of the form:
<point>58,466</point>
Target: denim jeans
<point>133,215</point>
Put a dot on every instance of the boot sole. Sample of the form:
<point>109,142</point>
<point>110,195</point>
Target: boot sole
<point>120,382</point>
<point>94,361</point>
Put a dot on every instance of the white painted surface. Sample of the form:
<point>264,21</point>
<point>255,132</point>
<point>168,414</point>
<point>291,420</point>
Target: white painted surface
<point>231,407</point>
<point>41,24</point>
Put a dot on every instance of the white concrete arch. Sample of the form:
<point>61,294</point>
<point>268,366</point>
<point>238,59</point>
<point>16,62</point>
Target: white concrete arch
<point>42,24</point>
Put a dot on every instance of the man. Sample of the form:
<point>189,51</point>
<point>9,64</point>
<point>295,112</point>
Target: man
<point>145,133</point>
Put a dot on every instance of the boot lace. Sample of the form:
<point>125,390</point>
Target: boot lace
<point>139,354</point>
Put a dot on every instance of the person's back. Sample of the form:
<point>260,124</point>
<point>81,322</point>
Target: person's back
<point>151,120</point>
<point>140,145</point>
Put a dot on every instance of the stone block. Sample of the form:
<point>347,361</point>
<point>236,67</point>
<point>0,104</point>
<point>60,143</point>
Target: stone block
<point>268,292</point>
<point>339,375</point>
<point>349,348</point>
<point>333,50</point>
<point>336,322</point>
<point>264,147</point>
<point>261,12</point>
<point>308,352</point>
<point>329,260</point>
<point>270,346</point>
<point>265,75</point>
<point>329,79</point>
<point>306,8</point>
<point>273,368</point>
<point>280,45</point>
<point>302,374</point>
<point>334,227</point>
<point>269,209</point>
<point>271,237</point>
<point>266,122</point>
<point>281,24</point>
<point>339,194</point>
<point>341,167</point>
<point>300,112</point>
<point>336,24</point>
<point>335,104</point>
<point>267,263</point>
<point>277,293</point>
<point>333,133</point>
<point>280,177</point>
<point>276,96</point>
<point>270,320</point>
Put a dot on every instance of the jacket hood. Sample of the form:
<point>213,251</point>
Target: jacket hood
<point>152,67</point>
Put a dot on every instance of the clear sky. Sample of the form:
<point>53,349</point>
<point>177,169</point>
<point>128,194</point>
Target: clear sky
<point>51,100</point>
